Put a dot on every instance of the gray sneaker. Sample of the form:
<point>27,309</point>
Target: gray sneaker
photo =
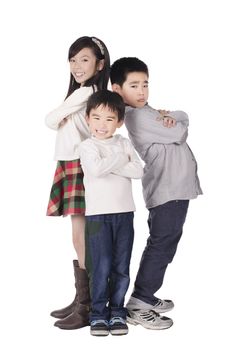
<point>148,319</point>
<point>160,307</point>
<point>163,306</point>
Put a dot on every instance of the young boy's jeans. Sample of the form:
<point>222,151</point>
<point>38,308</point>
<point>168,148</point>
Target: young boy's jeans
<point>165,223</point>
<point>109,240</point>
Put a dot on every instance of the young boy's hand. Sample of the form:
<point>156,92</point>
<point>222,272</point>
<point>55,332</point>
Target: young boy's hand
<point>168,121</point>
<point>163,112</point>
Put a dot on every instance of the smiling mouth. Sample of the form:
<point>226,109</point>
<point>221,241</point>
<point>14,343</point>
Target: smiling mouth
<point>79,75</point>
<point>103,132</point>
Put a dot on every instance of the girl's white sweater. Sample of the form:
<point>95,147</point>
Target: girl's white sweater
<point>75,128</point>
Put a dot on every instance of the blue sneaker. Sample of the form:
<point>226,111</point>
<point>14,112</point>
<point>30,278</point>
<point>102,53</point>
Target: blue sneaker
<point>99,327</point>
<point>118,326</point>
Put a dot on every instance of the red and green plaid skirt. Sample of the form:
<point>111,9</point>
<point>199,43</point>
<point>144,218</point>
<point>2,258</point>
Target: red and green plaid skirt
<point>67,193</point>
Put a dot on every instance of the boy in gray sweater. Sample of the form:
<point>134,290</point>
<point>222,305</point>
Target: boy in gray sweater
<point>170,180</point>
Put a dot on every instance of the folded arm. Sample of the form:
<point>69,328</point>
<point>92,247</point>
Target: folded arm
<point>97,165</point>
<point>76,101</point>
<point>179,116</point>
<point>133,169</point>
<point>146,129</point>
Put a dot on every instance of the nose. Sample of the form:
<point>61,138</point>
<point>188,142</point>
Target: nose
<point>102,125</point>
<point>141,90</point>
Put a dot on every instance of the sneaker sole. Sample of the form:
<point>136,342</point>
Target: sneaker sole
<point>119,331</point>
<point>147,325</point>
<point>99,333</point>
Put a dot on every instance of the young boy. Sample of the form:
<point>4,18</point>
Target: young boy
<point>109,162</point>
<point>170,180</point>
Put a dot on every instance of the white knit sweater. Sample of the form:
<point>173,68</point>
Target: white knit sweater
<point>75,129</point>
<point>108,167</point>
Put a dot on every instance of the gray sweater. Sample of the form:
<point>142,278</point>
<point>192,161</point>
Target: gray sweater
<point>170,171</point>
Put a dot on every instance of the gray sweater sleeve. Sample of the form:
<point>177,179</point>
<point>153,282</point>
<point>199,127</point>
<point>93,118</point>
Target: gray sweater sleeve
<point>180,117</point>
<point>144,128</point>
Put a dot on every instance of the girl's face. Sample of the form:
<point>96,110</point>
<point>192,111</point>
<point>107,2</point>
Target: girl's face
<point>84,66</point>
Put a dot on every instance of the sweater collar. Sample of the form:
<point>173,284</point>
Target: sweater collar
<point>110,140</point>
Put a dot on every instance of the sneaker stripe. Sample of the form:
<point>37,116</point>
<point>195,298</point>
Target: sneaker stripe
<point>148,319</point>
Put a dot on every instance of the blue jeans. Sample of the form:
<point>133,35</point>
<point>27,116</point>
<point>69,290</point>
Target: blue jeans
<point>165,224</point>
<point>109,240</point>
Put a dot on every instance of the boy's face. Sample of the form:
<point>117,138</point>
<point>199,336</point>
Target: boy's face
<point>134,90</point>
<point>103,122</point>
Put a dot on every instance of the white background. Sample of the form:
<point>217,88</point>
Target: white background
<point>187,46</point>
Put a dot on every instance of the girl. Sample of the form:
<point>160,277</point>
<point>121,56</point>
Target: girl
<point>89,71</point>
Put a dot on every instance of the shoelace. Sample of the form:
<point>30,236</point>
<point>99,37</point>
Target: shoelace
<point>116,319</point>
<point>95,322</point>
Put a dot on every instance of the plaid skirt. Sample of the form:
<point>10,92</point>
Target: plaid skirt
<point>67,193</point>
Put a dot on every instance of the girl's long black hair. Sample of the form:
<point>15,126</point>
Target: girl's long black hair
<point>101,78</point>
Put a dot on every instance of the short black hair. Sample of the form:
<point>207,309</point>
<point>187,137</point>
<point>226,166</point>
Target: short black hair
<point>106,98</point>
<point>120,69</point>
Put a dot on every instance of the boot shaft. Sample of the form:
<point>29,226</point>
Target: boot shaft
<point>82,286</point>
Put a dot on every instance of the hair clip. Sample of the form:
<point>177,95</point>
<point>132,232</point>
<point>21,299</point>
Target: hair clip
<point>97,42</point>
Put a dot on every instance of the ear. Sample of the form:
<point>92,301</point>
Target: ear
<point>87,119</point>
<point>120,123</point>
<point>100,65</point>
<point>116,88</point>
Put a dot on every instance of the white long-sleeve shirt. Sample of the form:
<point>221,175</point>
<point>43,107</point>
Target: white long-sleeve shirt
<point>109,165</point>
<point>75,129</point>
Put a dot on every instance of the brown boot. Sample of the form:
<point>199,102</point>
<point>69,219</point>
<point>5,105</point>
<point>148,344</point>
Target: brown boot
<point>62,313</point>
<point>80,316</point>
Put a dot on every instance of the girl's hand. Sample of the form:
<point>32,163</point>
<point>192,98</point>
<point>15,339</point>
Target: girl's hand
<point>63,122</point>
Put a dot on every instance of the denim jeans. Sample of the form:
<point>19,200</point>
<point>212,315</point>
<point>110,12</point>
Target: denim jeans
<point>165,224</point>
<point>109,240</point>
